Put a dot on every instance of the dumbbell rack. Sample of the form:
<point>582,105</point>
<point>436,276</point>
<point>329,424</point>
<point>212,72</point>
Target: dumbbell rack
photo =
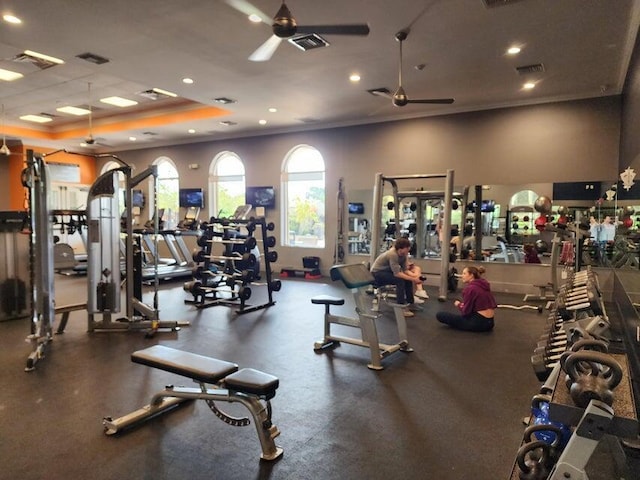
<point>577,313</point>
<point>226,279</point>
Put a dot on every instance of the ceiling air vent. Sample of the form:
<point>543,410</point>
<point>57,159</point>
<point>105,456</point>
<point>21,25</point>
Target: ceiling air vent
<point>152,95</point>
<point>150,134</point>
<point>309,42</point>
<point>498,3</point>
<point>93,58</point>
<point>224,100</point>
<point>529,69</point>
<point>228,123</point>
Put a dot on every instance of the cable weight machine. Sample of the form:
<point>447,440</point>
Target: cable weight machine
<point>104,265</point>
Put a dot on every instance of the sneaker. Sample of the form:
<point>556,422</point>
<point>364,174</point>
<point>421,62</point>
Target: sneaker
<point>417,300</point>
<point>408,313</point>
<point>421,294</point>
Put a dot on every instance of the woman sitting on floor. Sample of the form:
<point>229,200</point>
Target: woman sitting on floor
<point>477,306</point>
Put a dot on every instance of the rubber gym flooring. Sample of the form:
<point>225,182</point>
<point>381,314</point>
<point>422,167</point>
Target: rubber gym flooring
<point>452,409</point>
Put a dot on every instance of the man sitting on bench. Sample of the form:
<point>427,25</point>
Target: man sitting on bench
<point>392,268</point>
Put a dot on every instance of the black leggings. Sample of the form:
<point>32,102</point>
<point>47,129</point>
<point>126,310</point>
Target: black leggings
<point>471,323</point>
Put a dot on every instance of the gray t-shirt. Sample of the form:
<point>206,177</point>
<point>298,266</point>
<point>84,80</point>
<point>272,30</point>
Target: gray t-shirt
<point>389,261</point>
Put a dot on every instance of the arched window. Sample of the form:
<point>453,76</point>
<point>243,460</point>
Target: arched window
<point>303,190</point>
<point>168,187</point>
<point>226,184</point>
<point>110,165</point>
<point>523,198</point>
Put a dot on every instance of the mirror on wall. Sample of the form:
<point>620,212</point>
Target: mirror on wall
<point>509,222</point>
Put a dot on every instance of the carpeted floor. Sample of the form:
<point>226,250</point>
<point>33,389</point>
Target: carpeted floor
<point>452,409</point>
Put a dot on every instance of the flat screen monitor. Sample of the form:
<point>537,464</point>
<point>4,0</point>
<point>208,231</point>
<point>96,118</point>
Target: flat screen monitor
<point>191,197</point>
<point>488,206</point>
<point>261,197</point>
<point>137,198</point>
<point>356,208</point>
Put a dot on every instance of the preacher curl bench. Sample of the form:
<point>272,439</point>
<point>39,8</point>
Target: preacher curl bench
<point>251,388</point>
<point>358,278</point>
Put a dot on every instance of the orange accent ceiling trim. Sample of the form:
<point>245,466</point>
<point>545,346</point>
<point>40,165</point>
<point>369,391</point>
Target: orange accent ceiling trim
<point>79,130</point>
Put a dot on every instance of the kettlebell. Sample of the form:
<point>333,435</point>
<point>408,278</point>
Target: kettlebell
<point>584,344</point>
<point>533,460</point>
<point>595,385</point>
<point>540,416</point>
<point>553,438</point>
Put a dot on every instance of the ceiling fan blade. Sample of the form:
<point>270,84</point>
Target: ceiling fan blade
<point>443,101</point>
<point>248,9</point>
<point>265,51</point>
<point>352,29</point>
<point>380,93</point>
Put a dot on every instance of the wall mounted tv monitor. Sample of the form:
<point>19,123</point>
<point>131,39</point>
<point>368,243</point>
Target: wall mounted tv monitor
<point>488,206</point>
<point>261,197</point>
<point>137,198</point>
<point>356,208</point>
<point>191,197</point>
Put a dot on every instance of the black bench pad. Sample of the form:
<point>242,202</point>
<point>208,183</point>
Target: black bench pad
<point>198,367</point>
<point>253,381</point>
<point>353,275</point>
<point>327,300</point>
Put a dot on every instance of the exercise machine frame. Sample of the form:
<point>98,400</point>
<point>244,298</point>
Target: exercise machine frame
<point>446,194</point>
<point>358,278</point>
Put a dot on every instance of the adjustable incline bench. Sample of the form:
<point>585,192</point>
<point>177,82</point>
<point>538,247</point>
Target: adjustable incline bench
<point>252,388</point>
<point>357,277</point>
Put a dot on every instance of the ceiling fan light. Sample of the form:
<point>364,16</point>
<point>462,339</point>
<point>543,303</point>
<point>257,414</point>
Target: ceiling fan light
<point>4,150</point>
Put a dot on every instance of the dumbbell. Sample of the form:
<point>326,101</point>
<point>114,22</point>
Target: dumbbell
<point>248,258</point>
<point>543,361</point>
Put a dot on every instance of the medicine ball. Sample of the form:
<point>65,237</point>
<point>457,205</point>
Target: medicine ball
<point>542,204</point>
<point>540,222</point>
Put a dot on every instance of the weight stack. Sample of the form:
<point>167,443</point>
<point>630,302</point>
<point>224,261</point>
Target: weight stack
<point>14,267</point>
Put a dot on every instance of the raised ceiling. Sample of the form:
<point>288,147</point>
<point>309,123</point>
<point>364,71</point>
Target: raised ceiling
<point>456,48</point>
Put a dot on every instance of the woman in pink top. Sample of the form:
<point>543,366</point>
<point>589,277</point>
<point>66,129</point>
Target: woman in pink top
<point>477,306</point>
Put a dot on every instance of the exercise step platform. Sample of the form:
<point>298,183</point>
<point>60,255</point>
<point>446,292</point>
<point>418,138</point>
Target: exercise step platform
<point>307,273</point>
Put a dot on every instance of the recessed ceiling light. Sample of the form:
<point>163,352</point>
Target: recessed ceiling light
<point>42,56</point>
<point>132,139</point>
<point>164,92</point>
<point>10,18</point>
<point>354,77</point>
<point>36,118</point>
<point>191,130</point>
<point>83,144</point>
<point>529,85</point>
<point>74,110</point>
<point>187,80</point>
<point>254,18</point>
<point>119,101</point>
<point>514,50</point>
<point>273,110</point>
<point>262,122</point>
<point>9,76</point>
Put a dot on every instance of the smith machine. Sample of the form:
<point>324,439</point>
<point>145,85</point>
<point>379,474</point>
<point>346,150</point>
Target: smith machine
<point>422,195</point>
<point>103,257</point>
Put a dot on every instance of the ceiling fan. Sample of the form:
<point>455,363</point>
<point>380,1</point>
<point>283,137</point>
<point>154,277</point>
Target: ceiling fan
<point>285,26</point>
<point>399,98</point>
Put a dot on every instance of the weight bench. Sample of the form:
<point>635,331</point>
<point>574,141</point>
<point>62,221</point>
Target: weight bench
<point>252,388</point>
<point>358,278</point>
